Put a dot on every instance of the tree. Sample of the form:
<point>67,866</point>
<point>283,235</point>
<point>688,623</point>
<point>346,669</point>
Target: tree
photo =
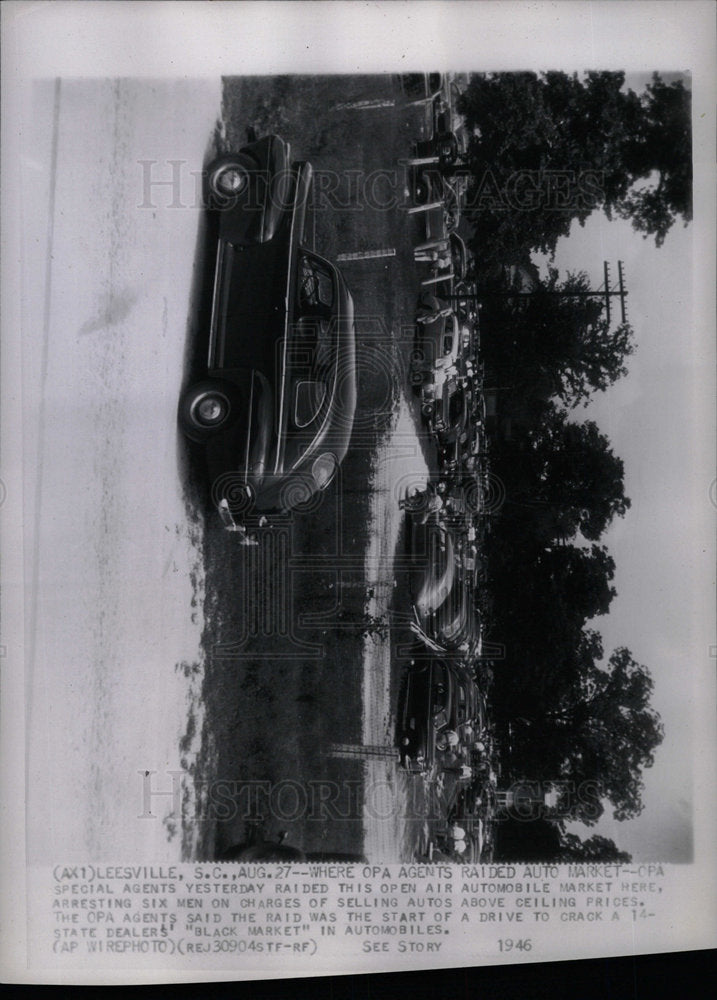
<point>660,151</point>
<point>574,582</point>
<point>561,477</point>
<point>554,336</point>
<point>547,598</point>
<point>536,840</point>
<point>603,730</point>
<point>595,849</point>
<point>549,148</point>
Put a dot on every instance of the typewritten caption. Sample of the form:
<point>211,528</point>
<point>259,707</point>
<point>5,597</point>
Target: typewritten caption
<point>248,913</point>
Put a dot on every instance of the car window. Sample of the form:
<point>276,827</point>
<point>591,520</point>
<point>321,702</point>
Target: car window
<point>313,331</point>
<point>439,690</point>
<point>438,698</point>
<point>315,287</point>
<point>440,719</point>
<point>308,400</point>
<point>461,709</point>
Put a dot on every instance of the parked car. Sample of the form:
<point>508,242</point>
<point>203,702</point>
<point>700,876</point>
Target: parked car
<point>274,410</point>
<point>451,414</point>
<point>457,454</point>
<point>449,622</point>
<point>465,304</point>
<point>428,187</point>
<point>473,803</point>
<point>456,623</point>
<point>465,496</point>
<point>438,349</point>
<point>446,849</point>
<point>433,562</point>
<point>446,146</point>
<point>438,696</point>
<point>459,255</point>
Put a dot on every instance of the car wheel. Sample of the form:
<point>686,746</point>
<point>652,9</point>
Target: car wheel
<point>227,179</point>
<point>205,408</point>
<point>417,378</point>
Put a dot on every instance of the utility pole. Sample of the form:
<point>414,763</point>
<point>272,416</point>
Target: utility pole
<point>620,291</point>
<point>607,293</point>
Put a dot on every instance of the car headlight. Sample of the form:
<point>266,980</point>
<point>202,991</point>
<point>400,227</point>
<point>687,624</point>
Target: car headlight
<point>324,469</point>
<point>230,179</point>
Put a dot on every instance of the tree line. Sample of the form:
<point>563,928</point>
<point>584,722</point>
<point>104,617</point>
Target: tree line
<point>547,149</point>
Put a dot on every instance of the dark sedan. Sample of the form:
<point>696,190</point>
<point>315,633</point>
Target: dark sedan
<point>275,411</point>
<point>430,188</point>
<point>433,562</point>
<point>456,625</point>
<point>438,697</point>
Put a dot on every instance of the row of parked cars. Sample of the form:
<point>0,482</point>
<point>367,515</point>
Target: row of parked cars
<point>274,405</point>
<point>443,725</point>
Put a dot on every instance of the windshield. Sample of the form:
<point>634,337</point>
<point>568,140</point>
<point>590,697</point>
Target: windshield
<point>456,407</point>
<point>313,348</point>
<point>439,689</point>
<point>314,318</point>
<point>461,704</point>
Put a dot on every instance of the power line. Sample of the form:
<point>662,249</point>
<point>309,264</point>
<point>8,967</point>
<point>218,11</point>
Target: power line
<point>606,293</point>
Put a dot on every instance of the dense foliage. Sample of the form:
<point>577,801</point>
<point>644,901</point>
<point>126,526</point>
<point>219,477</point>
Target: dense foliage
<point>553,339</point>
<point>549,148</point>
<point>545,150</point>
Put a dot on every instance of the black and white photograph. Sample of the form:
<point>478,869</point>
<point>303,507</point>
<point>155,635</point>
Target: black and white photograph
<point>366,503</point>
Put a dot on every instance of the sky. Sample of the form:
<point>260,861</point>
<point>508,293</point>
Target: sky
<point>660,421</point>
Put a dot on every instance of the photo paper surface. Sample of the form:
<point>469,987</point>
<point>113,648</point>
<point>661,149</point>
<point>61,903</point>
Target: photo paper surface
<point>358,482</point>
